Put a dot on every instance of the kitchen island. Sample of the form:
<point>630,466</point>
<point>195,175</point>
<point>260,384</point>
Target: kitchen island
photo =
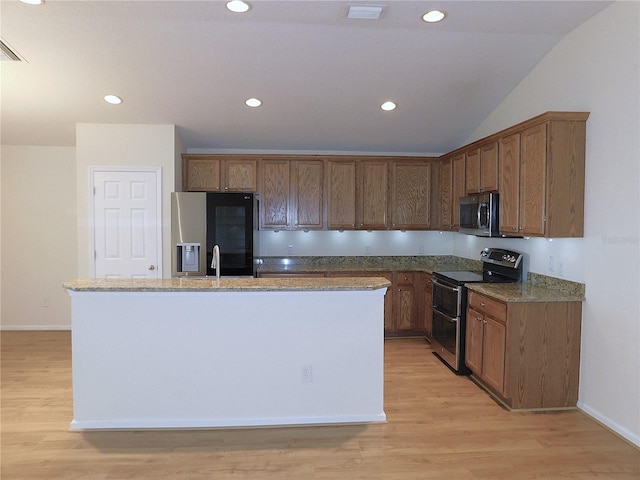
<point>203,353</point>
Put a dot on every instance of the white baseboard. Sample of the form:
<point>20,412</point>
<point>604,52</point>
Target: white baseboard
<point>35,327</point>
<point>611,425</point>
<point>208,423</point>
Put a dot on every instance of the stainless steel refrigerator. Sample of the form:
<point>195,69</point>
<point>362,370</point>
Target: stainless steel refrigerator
<point>201,221</point>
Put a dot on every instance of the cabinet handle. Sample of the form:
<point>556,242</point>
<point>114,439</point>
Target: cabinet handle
<point>482,304</point>
<point>484,321</point>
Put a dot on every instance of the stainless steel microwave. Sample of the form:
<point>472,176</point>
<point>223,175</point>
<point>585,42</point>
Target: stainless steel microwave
<point>479,215</point>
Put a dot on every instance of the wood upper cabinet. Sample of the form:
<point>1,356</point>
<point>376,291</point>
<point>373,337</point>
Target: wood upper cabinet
<point>527,353</point>
<point>410,194</point>
<point>482,168</point>
<point>239,174</point>
<point>372,208</point>
<point>509,210</point>
<point>307,199</point>
<point>458,188</point>
<point>341,194</point>
<point>274,194</point>
<point>219,173</point>
<point>445,204</point>
<point>200,173</point>
<point>542,180</point>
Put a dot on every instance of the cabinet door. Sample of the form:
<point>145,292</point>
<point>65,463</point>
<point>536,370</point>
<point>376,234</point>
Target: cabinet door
<point>458,165</point>
<point>472,171</point>
<point>373,180</point>
<point>446,195</point>
<point>473,349</point>
<point>239,175</point>
<point>489,167</point>
<point>533,165</point>
<point>341,194</point>
<point>509,184</point>
<point>493,353</point>
<point>307,184</point>
<point>404,308</point>
<point>200,174</point>
<point>410,195</point>
<point>274,194</point>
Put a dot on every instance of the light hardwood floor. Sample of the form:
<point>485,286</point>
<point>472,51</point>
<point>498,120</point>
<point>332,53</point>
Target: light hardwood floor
<point>439,426</point>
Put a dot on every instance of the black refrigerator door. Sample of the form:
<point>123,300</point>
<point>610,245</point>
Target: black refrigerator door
<point>230,223</point>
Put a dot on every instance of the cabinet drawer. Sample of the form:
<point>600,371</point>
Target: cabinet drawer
<point>404,278</point>
<point>488,306</point>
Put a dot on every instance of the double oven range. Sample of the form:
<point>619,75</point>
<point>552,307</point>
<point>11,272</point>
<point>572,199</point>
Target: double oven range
<point>450,302</point>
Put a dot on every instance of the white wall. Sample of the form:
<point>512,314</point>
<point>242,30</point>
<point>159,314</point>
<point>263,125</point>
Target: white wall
<point>596,69</point>
<point>100,145</point>
<point>39,249</point>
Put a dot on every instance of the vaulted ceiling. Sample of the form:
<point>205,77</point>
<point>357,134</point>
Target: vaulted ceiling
<point>321,76</point>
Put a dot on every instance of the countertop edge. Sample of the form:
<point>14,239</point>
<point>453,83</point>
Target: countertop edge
<point>523,293</point>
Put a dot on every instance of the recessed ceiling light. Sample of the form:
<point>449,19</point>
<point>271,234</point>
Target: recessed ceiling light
<point>434,16</point>
<point>33,2</point>
<point>238,6</point>
<point>113,99</point>
<point>253,102</point>
<point>388,106</point>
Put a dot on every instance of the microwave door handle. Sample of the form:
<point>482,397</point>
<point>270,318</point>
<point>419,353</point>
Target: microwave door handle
<point>479,224</point>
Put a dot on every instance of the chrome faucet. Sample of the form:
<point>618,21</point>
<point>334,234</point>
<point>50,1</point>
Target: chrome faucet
<point>215,260</point>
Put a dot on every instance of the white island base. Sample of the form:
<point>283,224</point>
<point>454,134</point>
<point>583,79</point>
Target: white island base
<point>195,359</point>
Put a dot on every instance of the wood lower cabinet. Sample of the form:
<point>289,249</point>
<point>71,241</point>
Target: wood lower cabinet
<point>526,353</point>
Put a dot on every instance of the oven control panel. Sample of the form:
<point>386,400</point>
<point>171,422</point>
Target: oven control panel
<point>501,256</point>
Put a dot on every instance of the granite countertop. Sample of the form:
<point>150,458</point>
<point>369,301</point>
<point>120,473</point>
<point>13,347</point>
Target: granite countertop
<point>227,284</point>
<point>526,292</point>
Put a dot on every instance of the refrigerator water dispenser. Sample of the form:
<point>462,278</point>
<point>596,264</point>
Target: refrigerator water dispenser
<point>188,256</point>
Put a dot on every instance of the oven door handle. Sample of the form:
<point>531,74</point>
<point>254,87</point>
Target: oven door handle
<point>447,287</point>
<point>444,314</point>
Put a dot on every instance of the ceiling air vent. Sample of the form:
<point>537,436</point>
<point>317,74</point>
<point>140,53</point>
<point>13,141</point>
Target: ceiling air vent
<point>7,54</point>
<point>365,12</point>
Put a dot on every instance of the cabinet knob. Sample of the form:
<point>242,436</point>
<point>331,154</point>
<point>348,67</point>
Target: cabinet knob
<point>152,267</point>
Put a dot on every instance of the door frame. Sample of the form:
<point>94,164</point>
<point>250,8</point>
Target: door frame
<point>91,217</point>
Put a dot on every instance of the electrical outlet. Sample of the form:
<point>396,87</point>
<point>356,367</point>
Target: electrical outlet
<point>45,302</point>
<point>367,250</point>
<point>550,263</point>
<point>290,249</point>
<point>307,374</point>
<point>560,268</point>
<point>421,249</point>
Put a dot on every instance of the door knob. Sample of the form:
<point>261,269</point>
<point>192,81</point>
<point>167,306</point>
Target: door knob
<point>152,267</point>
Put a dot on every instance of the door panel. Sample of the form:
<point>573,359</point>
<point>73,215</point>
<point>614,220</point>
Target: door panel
<point>126,234</point>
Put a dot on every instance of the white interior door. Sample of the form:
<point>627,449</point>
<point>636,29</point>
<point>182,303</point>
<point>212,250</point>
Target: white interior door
<point>126,235</point>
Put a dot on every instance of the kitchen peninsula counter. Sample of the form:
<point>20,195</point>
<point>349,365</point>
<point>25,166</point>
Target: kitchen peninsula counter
<point>220,353</point>
<point>227,284</point>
